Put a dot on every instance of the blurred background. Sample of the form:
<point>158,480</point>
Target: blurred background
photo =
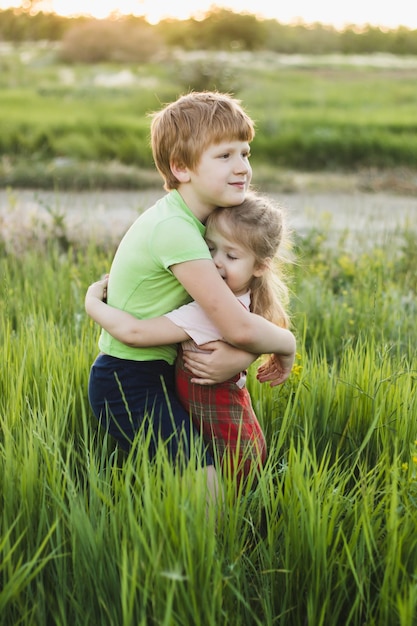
<point>331,89</point>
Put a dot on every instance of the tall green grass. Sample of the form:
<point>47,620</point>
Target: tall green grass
<point>326,536</point>
<point>308,117</point>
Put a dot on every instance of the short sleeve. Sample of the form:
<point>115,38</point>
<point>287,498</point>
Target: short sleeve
<point>176,241</point>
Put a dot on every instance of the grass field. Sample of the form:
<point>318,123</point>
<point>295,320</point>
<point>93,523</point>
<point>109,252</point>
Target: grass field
<point>66,126</point>
<point>328,535</point>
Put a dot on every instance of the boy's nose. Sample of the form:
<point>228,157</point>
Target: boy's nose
<point>242,164</point>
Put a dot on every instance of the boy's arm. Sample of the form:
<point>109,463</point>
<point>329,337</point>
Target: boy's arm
<point>216,362</point>
<point>237,326</point>
<point>244,330</point>
<point>219,362</point>
<point>125,327</point>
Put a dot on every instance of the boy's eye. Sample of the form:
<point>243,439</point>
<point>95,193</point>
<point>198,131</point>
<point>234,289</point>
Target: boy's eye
<point>231,257</point>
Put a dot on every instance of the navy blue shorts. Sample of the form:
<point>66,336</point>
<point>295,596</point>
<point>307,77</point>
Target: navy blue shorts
<point>128,397</point>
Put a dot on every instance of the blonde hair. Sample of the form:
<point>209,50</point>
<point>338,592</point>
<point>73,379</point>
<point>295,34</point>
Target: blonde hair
<point>258,225</point>
<point>182,130</point>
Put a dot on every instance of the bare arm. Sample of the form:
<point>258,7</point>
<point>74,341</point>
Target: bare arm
<point>221,361</point>
<point>250,333</point>
<point>125,327</point>
<point>218,362</point>
<point>238,327</point>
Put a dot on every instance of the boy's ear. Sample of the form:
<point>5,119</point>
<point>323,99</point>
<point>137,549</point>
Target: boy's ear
<point>180,171</point>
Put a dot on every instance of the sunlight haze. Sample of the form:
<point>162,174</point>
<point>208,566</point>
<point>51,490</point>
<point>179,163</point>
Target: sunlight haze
<point>360,12</point>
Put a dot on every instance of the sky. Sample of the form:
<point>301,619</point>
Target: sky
<point>386,14</point>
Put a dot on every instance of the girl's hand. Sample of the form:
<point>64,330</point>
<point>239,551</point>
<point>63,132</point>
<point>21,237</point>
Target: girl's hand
<point>276,369</point>
<point>98,290</point>
<point>219,362</point>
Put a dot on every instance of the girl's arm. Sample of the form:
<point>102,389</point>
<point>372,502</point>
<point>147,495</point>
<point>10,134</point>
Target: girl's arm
<point>126,328</point>
<point>219,363</point>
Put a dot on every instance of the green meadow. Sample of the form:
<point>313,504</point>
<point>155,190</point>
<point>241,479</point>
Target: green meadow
<point>327,535</point>
<point>331,113</point>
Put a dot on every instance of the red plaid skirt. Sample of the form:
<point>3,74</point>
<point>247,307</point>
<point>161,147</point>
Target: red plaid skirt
<point>224,416</point>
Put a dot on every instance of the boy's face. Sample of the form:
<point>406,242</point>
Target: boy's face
<point>222,176</point>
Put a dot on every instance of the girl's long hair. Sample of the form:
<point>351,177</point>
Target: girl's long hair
<point>258,225</point>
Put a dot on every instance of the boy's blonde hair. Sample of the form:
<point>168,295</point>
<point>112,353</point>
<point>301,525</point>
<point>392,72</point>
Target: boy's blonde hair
<point>259,226</point>
<point>182,130</point>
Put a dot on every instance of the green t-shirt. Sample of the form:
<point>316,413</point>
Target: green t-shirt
<point>140,280</point>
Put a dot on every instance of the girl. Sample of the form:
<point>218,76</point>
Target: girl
<point>244,243</point>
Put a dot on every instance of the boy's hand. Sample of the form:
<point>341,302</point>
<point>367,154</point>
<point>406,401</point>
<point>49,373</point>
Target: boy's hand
<point>219,362</point>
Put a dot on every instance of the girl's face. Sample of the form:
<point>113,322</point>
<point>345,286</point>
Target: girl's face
<point>235,263</point>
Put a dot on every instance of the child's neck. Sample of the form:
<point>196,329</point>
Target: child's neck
<point>199,209</point>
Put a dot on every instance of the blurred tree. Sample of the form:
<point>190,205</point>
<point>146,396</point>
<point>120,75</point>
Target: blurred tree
<point>219,29</point>
<point>18,25</point>
<point>403,41</point>
<point>179,33</point>
<point>110,40</point>
<point>209,71</point>
<point>222,29</point>
<point>301,38</point>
